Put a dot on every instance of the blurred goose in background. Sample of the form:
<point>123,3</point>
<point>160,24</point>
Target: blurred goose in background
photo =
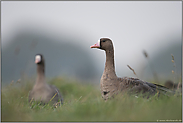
<point>42,92</point>
<point>171,85</point>
<point>111,85</point>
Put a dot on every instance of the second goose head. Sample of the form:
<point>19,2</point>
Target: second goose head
<point>39,60</point>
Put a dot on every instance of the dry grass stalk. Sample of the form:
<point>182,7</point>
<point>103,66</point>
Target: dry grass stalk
<point>178,85</point>
<point>172,56</point>
<point>151,66</point>
<point>12,82</point>
<point>18,81</point>
<point>53,97</point>
<point>174,71</point>
<point>132,70</point>
<point>145,54</point>
<point>79,98</point>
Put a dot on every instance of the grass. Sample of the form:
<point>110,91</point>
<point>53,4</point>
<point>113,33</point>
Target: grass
<point>83,102</point>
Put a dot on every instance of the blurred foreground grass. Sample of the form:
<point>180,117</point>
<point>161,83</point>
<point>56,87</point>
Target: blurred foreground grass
<point>83,102</point>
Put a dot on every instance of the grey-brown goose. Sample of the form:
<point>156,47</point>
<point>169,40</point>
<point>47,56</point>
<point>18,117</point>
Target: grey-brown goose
<point>42,92</point>
<point>110,84</point>
<point>171,85</point>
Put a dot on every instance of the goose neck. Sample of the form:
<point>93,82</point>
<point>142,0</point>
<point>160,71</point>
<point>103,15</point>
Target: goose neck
<point>40,74</point>
<point>109,64</point>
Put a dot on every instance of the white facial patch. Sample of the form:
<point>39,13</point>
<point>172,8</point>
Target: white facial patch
<point>37,58</point>
<point>99,42</point>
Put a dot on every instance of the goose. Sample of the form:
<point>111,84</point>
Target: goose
<point>171,85</point>
<point>111,85</point>
<point>42,92</point>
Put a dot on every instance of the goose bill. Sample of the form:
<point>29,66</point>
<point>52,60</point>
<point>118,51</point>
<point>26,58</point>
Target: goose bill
<point>95,45</point>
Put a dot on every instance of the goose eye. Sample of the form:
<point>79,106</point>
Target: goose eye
<point>103,40</point>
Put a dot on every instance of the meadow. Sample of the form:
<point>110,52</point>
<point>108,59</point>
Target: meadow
<point>83,102</point>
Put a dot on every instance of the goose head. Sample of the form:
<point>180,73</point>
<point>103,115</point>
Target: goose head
<point>103,44</point>
<point>39,59</point>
